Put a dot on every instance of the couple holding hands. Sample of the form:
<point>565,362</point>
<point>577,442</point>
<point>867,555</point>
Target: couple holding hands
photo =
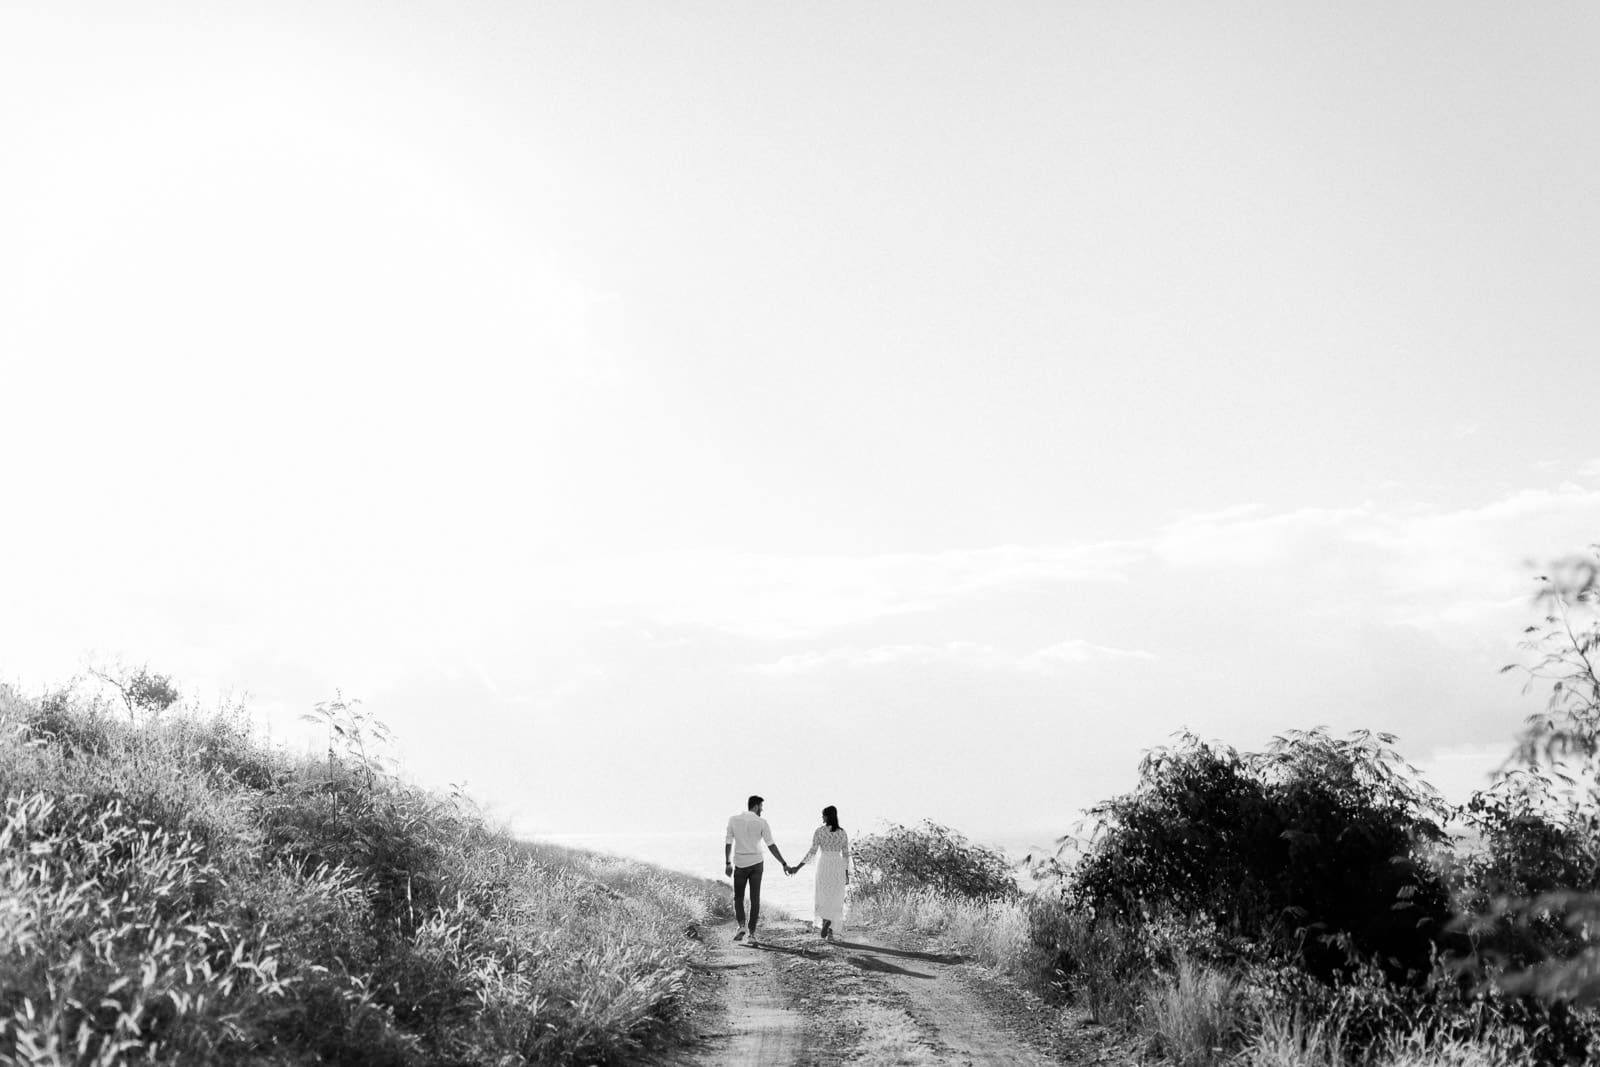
<point>742,858</point>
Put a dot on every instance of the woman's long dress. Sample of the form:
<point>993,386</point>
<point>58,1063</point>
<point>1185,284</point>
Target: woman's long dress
<point>834,846</point>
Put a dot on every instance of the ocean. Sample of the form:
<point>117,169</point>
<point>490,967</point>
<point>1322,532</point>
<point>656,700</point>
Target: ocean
<point>700,853</point>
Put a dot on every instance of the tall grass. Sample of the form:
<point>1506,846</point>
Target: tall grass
<point>1195,1014</point>
<point>1189,1010</point>
<point>1295,1040</point>
<point>175,891</point>
<point>994,932</point>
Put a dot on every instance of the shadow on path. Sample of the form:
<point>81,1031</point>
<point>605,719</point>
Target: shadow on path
<point>926,957</point>
<point>768,946</point>
<point>872,963</point>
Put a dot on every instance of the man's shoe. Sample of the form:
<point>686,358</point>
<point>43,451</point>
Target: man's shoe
<point>753,940</point>
<point>739,936</point>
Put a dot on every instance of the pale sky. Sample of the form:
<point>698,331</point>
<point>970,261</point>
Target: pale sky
<point>919,408</point>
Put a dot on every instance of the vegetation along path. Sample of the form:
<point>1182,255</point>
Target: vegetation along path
<point>873,998</point>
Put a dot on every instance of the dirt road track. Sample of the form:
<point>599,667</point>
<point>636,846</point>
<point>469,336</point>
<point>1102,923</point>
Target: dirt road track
<point>757,1025</point>
<point>866,999</point>
<point>957,1027</point>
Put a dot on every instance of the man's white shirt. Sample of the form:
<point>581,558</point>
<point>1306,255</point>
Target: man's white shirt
<point>746,832</point>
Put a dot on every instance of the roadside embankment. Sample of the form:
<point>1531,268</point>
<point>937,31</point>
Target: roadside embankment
<point>174,891</point>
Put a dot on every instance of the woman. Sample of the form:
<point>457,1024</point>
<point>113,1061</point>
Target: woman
<point>833,870</point>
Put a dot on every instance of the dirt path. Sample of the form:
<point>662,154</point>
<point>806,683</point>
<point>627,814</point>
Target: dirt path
<point>756,1025</point>
<point>872,999</point>
<point>957,1027</point>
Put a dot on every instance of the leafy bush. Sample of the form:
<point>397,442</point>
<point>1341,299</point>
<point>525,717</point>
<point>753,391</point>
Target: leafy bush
<point>933,857</point>
<point>1527,892</point>
<point>1316,847</point>
<point>1531,892</point>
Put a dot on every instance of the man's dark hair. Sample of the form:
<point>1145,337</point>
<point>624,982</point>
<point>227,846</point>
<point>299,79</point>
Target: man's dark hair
<point>750,805</point>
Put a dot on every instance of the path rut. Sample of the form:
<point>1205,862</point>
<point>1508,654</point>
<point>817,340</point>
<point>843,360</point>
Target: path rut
<point>865,1000</point>
<point>760,1027</point>
<point>932,990</point>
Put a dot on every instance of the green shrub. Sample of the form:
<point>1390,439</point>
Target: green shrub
<point>1103,963</point>
<point>933,857</point>
<point>1317,846</point>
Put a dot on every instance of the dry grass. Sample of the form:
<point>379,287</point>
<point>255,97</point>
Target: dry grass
<point>1415,1050</point>
<point>1195,1016</point>
<point>1292,1040</point>
<point>1190,1014</point>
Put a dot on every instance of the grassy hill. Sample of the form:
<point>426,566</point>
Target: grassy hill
<point>174,890</point>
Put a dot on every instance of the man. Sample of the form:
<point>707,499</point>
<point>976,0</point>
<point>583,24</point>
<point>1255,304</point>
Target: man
<point>741,854</point>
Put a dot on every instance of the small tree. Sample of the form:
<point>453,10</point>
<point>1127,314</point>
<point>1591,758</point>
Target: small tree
<point>1563,648</point>
<point>142,691</point>
<point>356,738</point>
<point>1536,886</point>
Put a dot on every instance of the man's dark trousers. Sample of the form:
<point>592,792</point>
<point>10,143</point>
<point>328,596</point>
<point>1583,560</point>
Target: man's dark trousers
<point>750,876</point>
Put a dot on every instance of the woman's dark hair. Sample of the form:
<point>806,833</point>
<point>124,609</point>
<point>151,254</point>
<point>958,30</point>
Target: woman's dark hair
<point>830,815</point>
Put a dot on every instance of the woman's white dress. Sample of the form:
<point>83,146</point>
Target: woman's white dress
<point>834,846</point>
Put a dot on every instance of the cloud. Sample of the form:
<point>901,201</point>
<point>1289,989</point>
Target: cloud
<point>1476,564</point>
<point>1248,536</point>
<point>1366,563</point>
<point>1077,651</point>
<point>1405,565</point>
<point>963,655</point>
